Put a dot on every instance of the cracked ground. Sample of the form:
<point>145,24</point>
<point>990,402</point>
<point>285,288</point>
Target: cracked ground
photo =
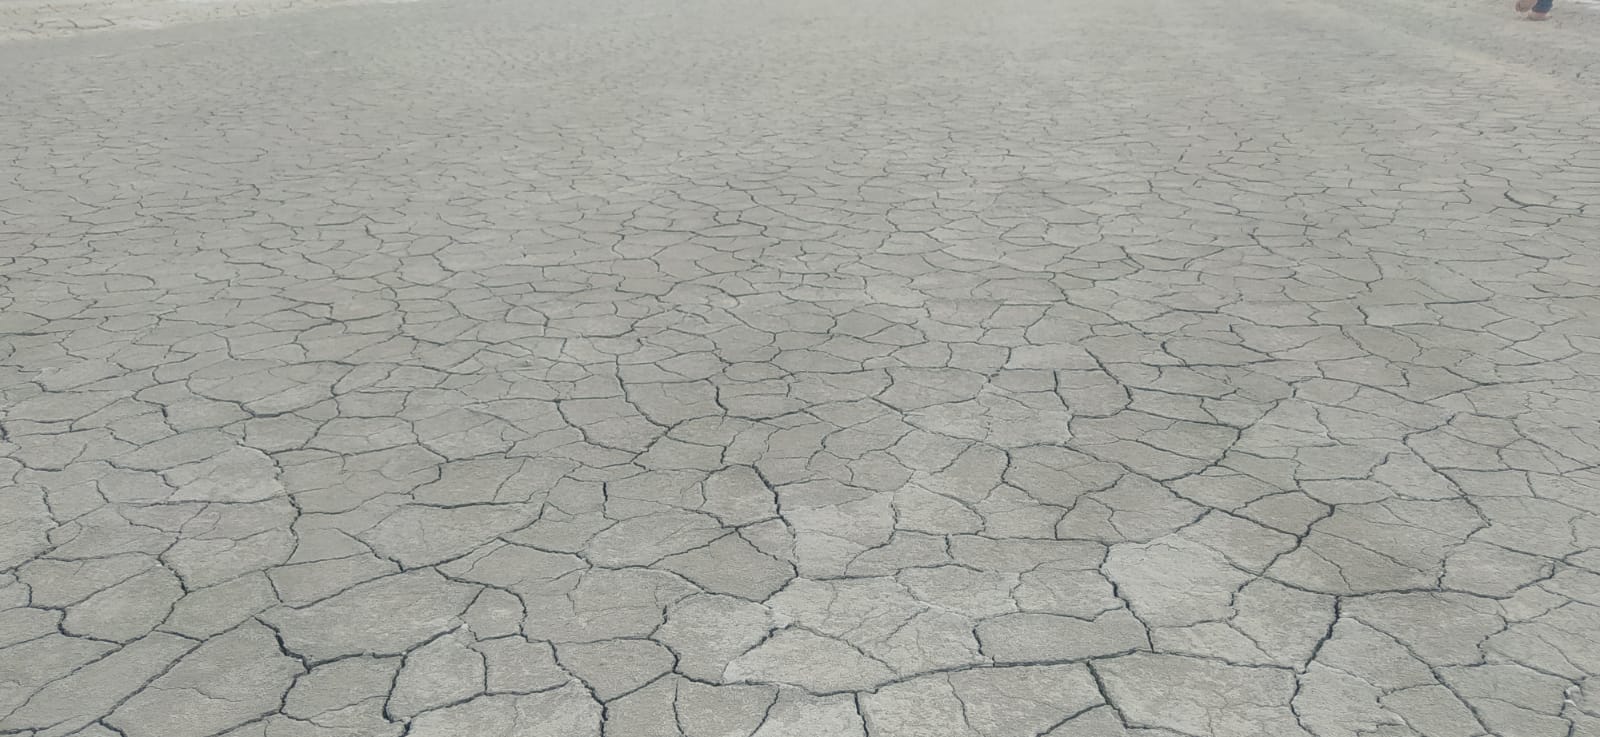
<point>1164,368</point>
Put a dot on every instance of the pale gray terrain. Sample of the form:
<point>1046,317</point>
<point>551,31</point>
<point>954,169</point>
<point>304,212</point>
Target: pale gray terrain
<point>826,368</point>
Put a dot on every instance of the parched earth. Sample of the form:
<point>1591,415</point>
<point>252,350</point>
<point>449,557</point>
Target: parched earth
<point>744,368</point>
<point>41,19</point>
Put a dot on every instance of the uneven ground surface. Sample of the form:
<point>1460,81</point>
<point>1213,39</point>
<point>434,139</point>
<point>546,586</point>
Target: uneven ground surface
<point>717,368</point>
<point>37,19</point>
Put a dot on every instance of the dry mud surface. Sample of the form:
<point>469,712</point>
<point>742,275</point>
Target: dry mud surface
<point>701,368</point>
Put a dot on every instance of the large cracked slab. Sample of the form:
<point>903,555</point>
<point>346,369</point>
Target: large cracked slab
<point>804,369</point>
